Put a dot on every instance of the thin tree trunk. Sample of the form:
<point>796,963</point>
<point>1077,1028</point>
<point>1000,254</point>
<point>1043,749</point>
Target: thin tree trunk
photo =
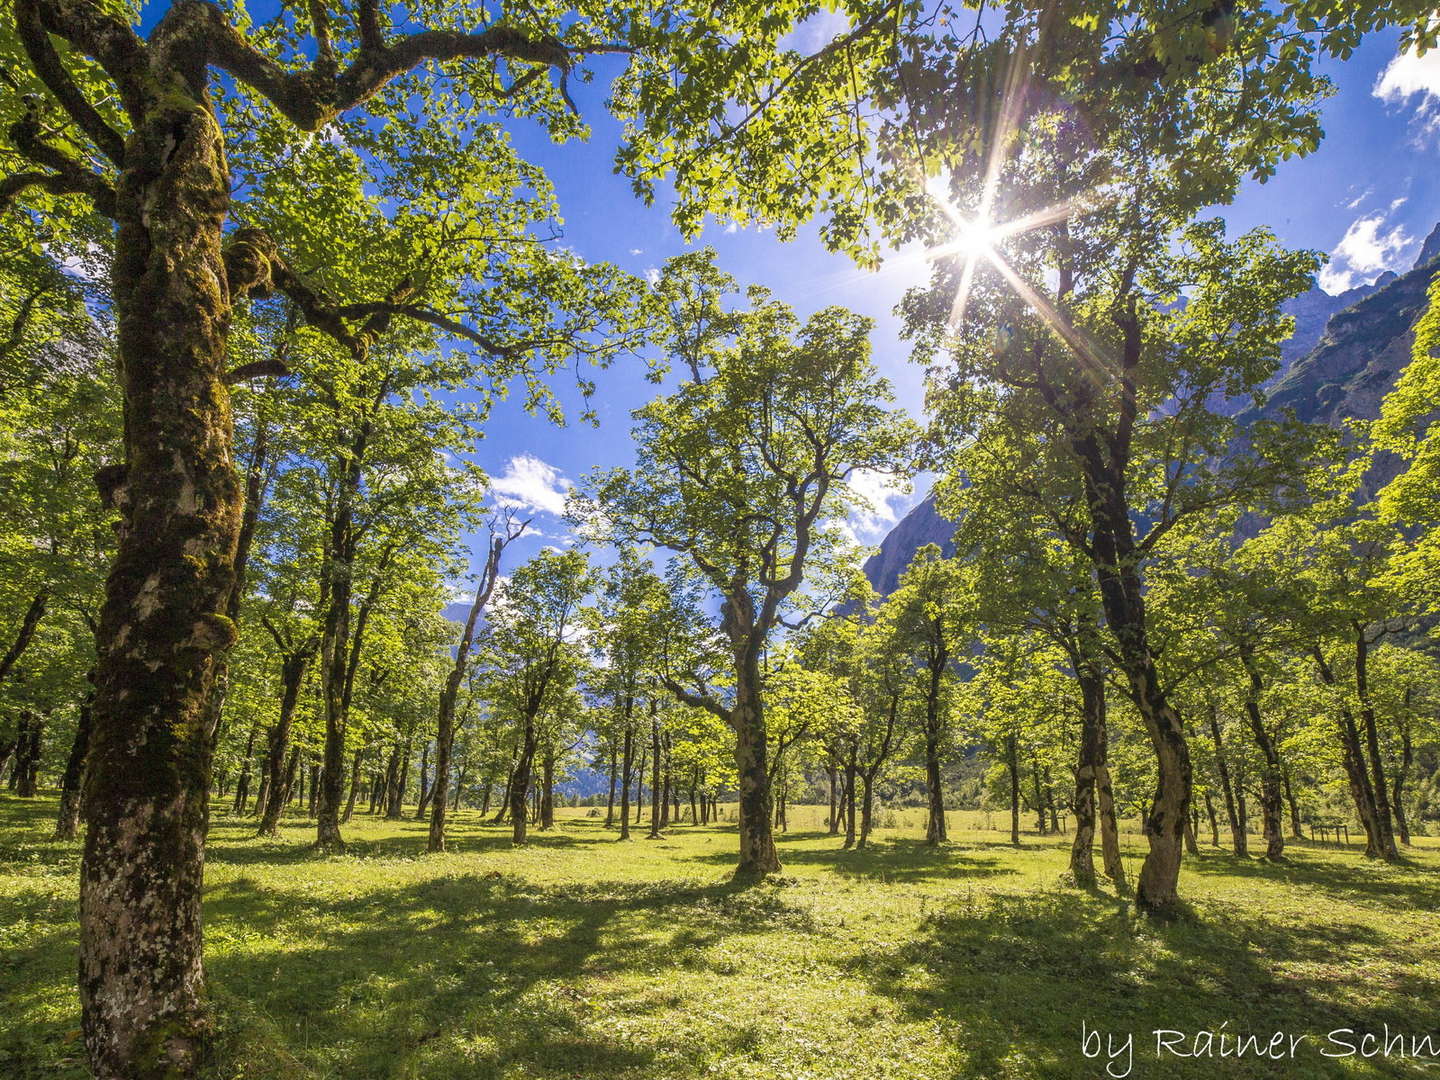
<point>292,675</point>
<point>1232,808</point>
<point>627,761</point>
<point>1012,762</point>
<point>354,785</point>
<point>657,796</point>
<point>520,785</point>
<point>68,819</point>
<point>1272,807</point>
<point>610,798</point>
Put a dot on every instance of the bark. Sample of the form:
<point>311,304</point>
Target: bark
<point>68,819</point>
<point>242,786</point>
<point>1117,571</point>
<point>162,626</point>
<point>354,786</point>
<point>758,856</point>
<point>547,788</point>
<point>1092,759</point>
<point>1012,763</point>
<point>1232,808</point>
<point>292,677</point>
<point>445,718</point>
<point>1295,830</point>
<point>1385,834</point>
<point>627,761</point>
<point>610,798</point>
<point>427,787</point>
<point>939,658</point>
<point>25,634</point>
<point>1272,807</point>
<point>1402,774</point>
<point>657,796</point>
<point>520,784</point>
<point>1214,819</point>
<point>30,772</point>
<point>832,823</point>
<point>1353,757</point>
<point>850,774</point>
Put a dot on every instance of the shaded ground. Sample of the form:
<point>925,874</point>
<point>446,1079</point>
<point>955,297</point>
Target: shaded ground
<point>580,957</point>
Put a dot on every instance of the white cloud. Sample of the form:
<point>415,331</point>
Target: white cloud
<point>1366,249</point>
<point>871,521</point>
<point>531,484</point>
<point>637,251</point>
<point>652,275</point>
<point>1409,76</point>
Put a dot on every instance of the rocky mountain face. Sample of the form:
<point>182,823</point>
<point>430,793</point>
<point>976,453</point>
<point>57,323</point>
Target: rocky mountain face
<point>1342,360</point>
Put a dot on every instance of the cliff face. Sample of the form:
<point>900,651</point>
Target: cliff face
<point>1343,359</point>
<point>922,525</point>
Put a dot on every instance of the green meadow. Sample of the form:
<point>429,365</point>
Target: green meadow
<point>581,957</point>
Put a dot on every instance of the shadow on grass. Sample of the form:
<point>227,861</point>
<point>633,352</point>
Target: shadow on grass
<point>899,860</point>
<point>475,975</point>
<point>1356,878</point>
<point>1015,978</point>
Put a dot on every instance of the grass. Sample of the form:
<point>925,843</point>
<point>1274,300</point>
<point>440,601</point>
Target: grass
<point>580,957</point>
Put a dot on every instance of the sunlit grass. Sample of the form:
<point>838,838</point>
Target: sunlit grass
<point>584,957</point>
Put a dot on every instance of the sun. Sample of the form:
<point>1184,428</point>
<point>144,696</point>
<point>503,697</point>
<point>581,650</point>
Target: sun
<point>974,238</point>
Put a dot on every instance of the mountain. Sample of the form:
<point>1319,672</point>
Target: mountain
<point>922,525</point>
<point>1342,360</point>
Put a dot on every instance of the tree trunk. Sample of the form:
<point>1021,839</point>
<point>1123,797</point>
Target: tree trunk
<point>30,773</point>
<point>396,809</point>
<point>1092,760</point>
<point>520,784</point>
<point>627,762</point>
<point>610,798</point>
<point>354,785</point>
<point>427,786</point>
<point>1386,834</point>
<point>867,807</point>
<point>1012,763</point>
<point>162,626</point>
<point>832,823</point>
<point>657,795</point>
<point>1402,773</point>
<point>1214,820</point>
<point>1232,811</point>
<point>1122,593</point>
<point>242,786</point>
<point>1353,757</point>
<point>1295,830</point>
<point>68,819</point>
<point>758,856</point>
<point>935,831</point>
<point>292,675</point>
<point>1272,807</point>
<point>850,773</point>
<point>547,787</point>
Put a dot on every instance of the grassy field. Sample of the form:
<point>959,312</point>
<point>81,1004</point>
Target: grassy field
<point>579,957</point>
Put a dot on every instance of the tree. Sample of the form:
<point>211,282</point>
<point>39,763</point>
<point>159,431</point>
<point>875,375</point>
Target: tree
<point>532,657</point>
<point>738,470</point>
<point>504,530</point>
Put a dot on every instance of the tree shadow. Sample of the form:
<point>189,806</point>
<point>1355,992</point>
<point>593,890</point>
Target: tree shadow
<point>1014,977</point>
<point>476,975</point>
<point>1372,880</point>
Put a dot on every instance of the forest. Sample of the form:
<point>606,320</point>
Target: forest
<point>1027,667</point>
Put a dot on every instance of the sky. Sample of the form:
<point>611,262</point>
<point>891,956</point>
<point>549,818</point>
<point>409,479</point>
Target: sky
<point>1367,197</point>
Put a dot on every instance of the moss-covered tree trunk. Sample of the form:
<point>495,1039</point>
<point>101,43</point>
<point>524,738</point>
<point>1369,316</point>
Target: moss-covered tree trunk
<point>163,625</point>
<point>758,856</point>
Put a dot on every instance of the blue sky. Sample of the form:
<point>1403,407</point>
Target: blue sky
<point>1368,197</point>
